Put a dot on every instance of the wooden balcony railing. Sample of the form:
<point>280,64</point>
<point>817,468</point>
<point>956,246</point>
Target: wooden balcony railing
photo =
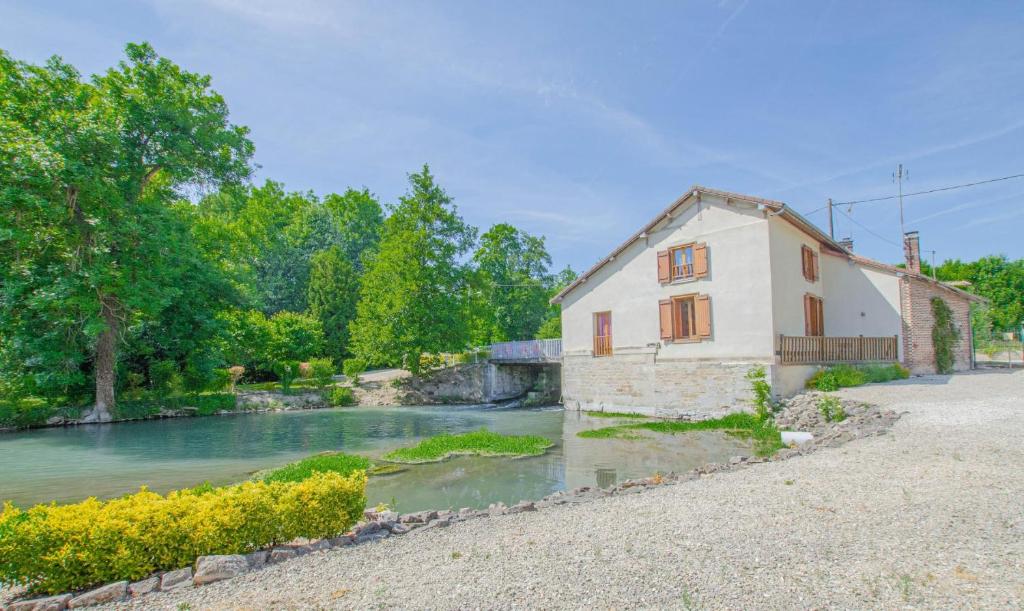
<point>797,349</point>
<point>602,345</point>
<point>683,271</point>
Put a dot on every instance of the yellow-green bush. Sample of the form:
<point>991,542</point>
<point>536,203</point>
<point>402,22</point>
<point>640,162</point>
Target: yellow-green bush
<point>59,548</point>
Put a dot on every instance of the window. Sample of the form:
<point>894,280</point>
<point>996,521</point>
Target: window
<point>686,318</point>
<point>809,260</point>
<point>683,262</point>
<point>814,316</point>
<point>602,334</point>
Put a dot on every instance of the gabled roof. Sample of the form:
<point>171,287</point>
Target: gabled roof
<point>777,208</point>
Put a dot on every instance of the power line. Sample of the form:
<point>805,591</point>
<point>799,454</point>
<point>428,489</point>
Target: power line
<point>949,188</point>
<point>867,229</point>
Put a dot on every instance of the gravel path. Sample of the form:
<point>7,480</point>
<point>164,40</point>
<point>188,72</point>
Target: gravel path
<point>928,516</point>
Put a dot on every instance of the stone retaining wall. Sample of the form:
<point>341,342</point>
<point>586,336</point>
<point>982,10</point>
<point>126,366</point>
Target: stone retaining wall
<point>639,381</point>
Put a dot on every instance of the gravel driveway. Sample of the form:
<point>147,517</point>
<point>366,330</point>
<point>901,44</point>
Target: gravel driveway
<point>930,515</point>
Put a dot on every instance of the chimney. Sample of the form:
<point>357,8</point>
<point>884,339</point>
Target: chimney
<point>912,251</point>
<point>846,243</point>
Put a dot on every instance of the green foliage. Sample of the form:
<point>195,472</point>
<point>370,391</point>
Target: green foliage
<point>767,438</point>
<point>762,391</point>
<point>944,336</point>
<point>23,412</point>
<point>614,414</point>
<point>340,396</point>
<point>479,443</point>
<point>353,368</point>
<point>413,294</point>
<point>163,377</point>
<point>59,548</point>
<point>294,337</point>
<point>844,376</point>
<point>831,409</point>
<point>222,380</point>
<point>512,285</point>
<point>286,372</point>
<point>997,279</point>
<point>327,462</point>
<point>333,293</point>
<point>550,329</point>
<point>204,405</point>
<point>321,371</point>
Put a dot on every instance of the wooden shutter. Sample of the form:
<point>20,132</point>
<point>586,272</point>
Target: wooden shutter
<point>820,312</point>
<point>700,260</point>
<point>664,267</point>
<point>805,261</point>
<point>703,315</point>
<point>808,329</point>
<point>814,267</point>
<point>665,316</point>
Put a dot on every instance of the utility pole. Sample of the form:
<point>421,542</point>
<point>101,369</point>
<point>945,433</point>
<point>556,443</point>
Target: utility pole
<point>898,177</point>
<point>831,225</point>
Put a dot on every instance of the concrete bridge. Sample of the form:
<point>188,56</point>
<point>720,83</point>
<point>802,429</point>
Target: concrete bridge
<point>527,352</point>
<point>532,369</point>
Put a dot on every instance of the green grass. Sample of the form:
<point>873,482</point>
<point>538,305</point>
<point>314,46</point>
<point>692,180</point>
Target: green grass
<point>615,414</point>
<point>763,432</point>
<point>479,443</point>
<point>845,376</point>
<point>344,464</point>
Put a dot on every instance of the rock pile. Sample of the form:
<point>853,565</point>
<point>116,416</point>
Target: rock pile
<point>803,413</point>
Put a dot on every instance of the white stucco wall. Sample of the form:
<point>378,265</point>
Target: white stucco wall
<point>739,284</point>
<point>788,283</point>
<point>860,300</point>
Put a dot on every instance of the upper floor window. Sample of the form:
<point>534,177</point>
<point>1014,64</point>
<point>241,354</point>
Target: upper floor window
<point>809,259</point>
<point>683,262</point>
<point>602,334</point>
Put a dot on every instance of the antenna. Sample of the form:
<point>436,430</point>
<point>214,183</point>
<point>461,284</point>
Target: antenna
<point>897,177</point>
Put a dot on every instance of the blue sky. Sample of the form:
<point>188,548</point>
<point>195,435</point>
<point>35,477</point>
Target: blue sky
<point>580,121</point>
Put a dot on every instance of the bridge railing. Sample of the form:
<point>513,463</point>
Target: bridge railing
<point>530,350</point>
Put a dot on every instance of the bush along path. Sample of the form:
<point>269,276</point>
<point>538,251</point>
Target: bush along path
<point>176,588</point>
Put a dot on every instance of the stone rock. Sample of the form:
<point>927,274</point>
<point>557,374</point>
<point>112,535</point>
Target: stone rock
<point>112,592</point>
<point>141,588</point>
<point>55,420</point>
<point>366,529</point>
<point>420,517</point>
<point>439,522</point>
<point>467,512</point>
<point>210,569</point>
<point>257,559</point>
<point>341,541</point>
<point>372,536</point>
<point>50,603</point>
<point>280,554</point>
<point>174,580</point>
<point>522,506</point>
<point>399,529</point>
<point>735,460</point>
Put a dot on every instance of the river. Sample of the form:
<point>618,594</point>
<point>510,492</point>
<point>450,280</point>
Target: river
<point>72,463</point>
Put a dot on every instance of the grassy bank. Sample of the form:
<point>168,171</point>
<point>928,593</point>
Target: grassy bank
<point>763,432</point>
<point>327,462</point>
<point>632,415</point>
<point>479,443</point>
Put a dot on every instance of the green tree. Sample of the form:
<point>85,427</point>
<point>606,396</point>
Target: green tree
<point>111,154</point>
<point>413,294</point>
<point>551,328</point>
<point>333,294</point>
<point>358,220</point>
<point>294,337</point>
<point>513,281</point>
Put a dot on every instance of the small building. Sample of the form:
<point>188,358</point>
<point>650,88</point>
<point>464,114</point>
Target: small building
<point>718,283</point>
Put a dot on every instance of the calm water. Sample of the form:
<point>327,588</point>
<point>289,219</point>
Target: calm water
<point>69,464</point>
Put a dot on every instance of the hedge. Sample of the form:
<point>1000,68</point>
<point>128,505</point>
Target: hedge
<point>60,548</point>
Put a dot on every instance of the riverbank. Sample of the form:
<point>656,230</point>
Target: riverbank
<point>927,516</point>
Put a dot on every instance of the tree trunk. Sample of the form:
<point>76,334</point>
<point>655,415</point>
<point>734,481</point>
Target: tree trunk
<point>106,358</point>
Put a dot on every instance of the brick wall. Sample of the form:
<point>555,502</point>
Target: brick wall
<point>918,352</point>
<point>640,382</point>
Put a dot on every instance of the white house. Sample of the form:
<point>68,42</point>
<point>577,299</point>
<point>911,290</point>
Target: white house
<point>671,321</point>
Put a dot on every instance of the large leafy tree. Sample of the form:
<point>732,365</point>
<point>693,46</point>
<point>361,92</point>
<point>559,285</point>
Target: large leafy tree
<point>333,294</point>
<point>997,279</point>
<point>413,294</point>
<point>358,219</point>
<point>513,282</point>
<point>84,248</point>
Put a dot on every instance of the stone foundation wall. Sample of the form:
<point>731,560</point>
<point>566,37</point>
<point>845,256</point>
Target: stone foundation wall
<point>639,381</point>
<point>918,351</point>
<point>483,382</point>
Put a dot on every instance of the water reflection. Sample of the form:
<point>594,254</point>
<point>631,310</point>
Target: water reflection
<point>69,464</point>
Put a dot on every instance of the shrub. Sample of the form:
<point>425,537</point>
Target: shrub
<point>762,392</point>
<point>333,462</point>
<point>341,396</point>
<point>198,373</point>
<point>843,376</point>
<point>831,409</point>
<point>353,368</point>
<point>236,372</point>
<point>59,548</point>
<point>221,381</point>
<point>286,371</point>
<point>25,411</point>
<point>944,336</point>
<point>321,371</point>
<point>163,377</point>
<point>294,337</point>
<point>205,405</point>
